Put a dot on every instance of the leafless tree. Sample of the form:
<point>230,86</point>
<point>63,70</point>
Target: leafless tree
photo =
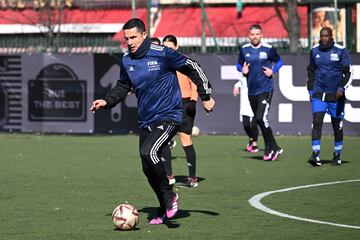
<point>292,24</point>
<point>49,17</point>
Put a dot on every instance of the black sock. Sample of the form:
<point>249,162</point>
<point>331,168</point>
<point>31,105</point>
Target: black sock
<point>191,159</point>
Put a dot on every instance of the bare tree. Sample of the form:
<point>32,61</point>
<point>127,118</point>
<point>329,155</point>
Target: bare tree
<point>292,25</point>
<point>48,18</point>
<point>51,17</point>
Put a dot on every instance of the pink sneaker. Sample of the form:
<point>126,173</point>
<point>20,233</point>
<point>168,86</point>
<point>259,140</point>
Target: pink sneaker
<point>268,155</point>
<point>174,207</point>
<point>277,154</point>
<point>249,148</point>
<point>254,149</point>
<point>156,221</point>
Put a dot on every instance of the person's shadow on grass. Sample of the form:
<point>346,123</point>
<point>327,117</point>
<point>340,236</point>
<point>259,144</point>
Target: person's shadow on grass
<point>182,213</point>
<point>181,179</point>
<point>170,223</point>
<point>326,161</point>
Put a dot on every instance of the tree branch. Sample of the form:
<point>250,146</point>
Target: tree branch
<point>278,14</point>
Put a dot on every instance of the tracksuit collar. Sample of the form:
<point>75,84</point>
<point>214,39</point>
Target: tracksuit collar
<point>326,48</point>
<point>142,50</point>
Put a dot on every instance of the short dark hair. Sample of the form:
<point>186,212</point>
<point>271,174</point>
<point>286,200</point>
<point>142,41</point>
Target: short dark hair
<point>170,38</point>
<point>135,22</point>
<point>255,26</point>
<point>329,30</point>
<point>155,40</point>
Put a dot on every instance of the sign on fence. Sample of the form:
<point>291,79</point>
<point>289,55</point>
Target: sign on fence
<point>53,93</point>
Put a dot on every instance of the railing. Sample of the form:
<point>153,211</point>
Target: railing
<point>62,44</point>
<point>103,43</point>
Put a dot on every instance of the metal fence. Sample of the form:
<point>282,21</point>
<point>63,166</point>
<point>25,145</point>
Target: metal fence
<point>66,43</point>
<point>104,43</point>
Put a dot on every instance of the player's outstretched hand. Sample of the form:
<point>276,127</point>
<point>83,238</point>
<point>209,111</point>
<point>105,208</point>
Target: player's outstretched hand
<point>97,104</point>
<point>209,105</point>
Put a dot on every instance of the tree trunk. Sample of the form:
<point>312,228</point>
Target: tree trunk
<point>294,26</point>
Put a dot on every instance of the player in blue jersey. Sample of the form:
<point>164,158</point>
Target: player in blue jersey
<point>258,61</point>
<point>155,40</point>
<point>148,70</point>
<point>329,74</point>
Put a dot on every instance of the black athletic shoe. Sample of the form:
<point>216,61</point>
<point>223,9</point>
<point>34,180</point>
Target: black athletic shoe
<point>336,161</point>
<point>191,182</point>
<point>315,159</point>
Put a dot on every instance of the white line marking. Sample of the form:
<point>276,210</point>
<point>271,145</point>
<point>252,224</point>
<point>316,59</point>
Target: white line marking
<point>255,202</point>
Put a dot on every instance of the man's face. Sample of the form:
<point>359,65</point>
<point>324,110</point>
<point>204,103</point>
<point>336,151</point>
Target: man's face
<point>134,38</point>
<point>325,37</point>
<point>255,36</point>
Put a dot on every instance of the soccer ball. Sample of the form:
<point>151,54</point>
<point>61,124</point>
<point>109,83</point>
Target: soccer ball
<point>125,217</point>
<point>195,131</point>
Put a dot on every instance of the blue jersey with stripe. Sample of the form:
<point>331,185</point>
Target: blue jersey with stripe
<point>260,56</point>
<point>154,82</point>
<point>329,67</point>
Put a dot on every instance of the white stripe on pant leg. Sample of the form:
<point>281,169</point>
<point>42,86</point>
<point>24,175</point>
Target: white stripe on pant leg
<point>157,145</point>
<point>266,113</point>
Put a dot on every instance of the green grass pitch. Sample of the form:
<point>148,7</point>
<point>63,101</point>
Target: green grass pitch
<point>65,187</point>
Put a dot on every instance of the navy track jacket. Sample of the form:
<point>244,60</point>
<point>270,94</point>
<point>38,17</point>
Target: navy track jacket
<point>329,69</point>
<point>153,80</point>
<point>258,57</point>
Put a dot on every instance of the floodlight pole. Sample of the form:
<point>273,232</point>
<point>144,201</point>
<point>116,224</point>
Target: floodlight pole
<point>203,34</point>
<point>149,18</point>
<point>205,19</point>
<point>336,19</point>
<point>133,8</point>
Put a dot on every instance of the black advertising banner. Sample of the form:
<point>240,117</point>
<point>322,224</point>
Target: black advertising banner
<point>57,95</point>
<point>10,93</point>
<point>54,92</point>
<point>3,97</point>
<point>122,119</point>
<point>3,107</point>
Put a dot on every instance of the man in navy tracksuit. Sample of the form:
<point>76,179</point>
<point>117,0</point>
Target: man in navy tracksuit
<point>255,61</point>
<point>329,74</point>
<point>148,70</point>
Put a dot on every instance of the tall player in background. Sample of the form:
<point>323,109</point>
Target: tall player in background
<point>329,74</point>
<point>149,71</point>
<point>246,114</point>
<point>255,61</point>
<point>189,97</point>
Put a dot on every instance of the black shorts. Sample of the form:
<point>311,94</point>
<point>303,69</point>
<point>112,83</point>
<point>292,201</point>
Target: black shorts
<point>189,112</point>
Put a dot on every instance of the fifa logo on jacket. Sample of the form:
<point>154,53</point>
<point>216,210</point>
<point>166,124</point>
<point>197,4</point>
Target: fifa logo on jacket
<point>153,66</point>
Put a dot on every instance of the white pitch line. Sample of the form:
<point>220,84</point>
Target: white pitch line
<point>255,202</point>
